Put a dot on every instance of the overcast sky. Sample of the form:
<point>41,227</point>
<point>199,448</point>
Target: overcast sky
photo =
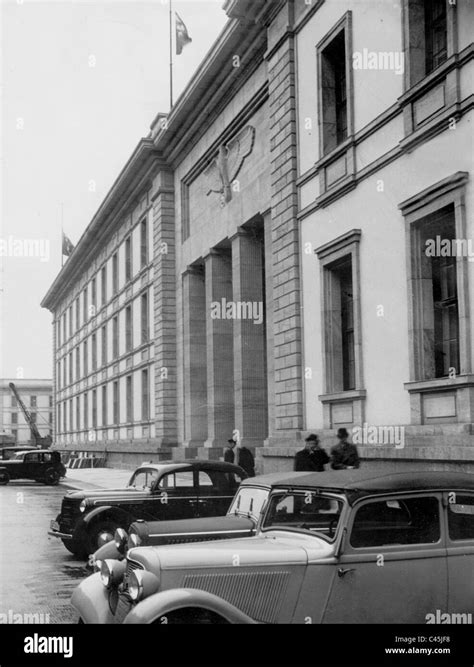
<point>81,83</point>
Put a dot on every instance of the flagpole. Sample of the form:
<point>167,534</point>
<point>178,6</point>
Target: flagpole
<point>171,54</point>
<point>62,234</point>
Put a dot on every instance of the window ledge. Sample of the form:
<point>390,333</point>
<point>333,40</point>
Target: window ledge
<point>343,396</point>
<point>439,384</point>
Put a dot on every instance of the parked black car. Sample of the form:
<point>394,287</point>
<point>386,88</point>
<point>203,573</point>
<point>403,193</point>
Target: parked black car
<point>240,521</point>
<point>165,491</point>
<point>41,465</point>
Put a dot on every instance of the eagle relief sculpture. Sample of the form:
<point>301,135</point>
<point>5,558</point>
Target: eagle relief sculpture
<point>220,175</point>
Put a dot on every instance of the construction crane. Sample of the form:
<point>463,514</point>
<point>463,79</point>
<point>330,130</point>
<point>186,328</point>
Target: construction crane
<point>36,437</point>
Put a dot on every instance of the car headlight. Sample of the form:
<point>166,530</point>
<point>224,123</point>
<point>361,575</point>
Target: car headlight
<point>97,565</point>
<point>83,505</point>
<point>141,584</point>
<point>121,540</point>
<point>112,571</point>
<point>134,540</point>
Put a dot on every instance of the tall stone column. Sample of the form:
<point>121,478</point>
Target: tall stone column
<point>164,307</point>
<point>220,359</point>
<point>195,357</point>
<point>250,390</point>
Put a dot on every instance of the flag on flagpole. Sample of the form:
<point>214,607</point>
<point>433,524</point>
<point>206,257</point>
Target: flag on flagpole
<point>182,35</point>
<point>67,245</point>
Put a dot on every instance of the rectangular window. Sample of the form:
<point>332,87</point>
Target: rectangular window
<point>71,369</point>
<point>85,305</point>
<point>50,419</point>
<point>104,405</point>
<point>440,294</point>
<point>85,360</point>
<point>103,285</point>
<point>396,523</point>
<point>129,398</point>
<point>78,413</point>
<point>461,518</point>
<point>14,417</point>
<point>33,416</point>
<point>59,417</point>
<point>128,259</point>
<point>94,408</point>
<point>128,329</point>
<point>64,417</point>
<point>115,273</point>
<point>58,331</point>
<point>333,92</point>
<point>33,402</point>
<point>70,321</point>
<point>78,314</point>
<point>86,411</point>
<point>94,352</point>
<point>144,317</point>
<point>78,363</point>
<point>50,402</point>
<point>71,428</point>
<point>143,243</point>
<point>94,295</point>
<point>116,398</point>
<point>104,345</point>
<point>435,34</point>
<point>64,328</point>
<point>14,402</point>
<point>64,371</point>
<point>145,396</point>
<point>115,337</point>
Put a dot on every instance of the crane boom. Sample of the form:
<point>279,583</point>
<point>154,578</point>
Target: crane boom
<point>35,434</point>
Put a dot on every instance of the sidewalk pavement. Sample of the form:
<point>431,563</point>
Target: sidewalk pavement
<point>96,478</point>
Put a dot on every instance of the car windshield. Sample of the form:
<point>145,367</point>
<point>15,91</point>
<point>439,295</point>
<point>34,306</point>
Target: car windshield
<point>306,510</point>
<point>249,502</point>
<point>143,479</point>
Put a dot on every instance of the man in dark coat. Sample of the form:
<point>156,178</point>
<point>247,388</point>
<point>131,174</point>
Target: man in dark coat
<point>344,455</point>
<point>246,461</point>
<point>312,458</point>
<point>229,455</point>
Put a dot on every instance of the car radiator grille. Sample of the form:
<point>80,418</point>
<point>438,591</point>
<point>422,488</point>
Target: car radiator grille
<point>257,594</point>
<point>69,511</point>
<point>133,565</point>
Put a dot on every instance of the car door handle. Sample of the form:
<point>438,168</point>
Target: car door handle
<point>341,571</point>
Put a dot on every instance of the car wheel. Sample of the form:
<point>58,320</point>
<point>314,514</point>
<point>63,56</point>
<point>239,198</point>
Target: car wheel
<point>101,533</point>
<point>4,478</point>
<point>51,477</point>
<point>74,548</point>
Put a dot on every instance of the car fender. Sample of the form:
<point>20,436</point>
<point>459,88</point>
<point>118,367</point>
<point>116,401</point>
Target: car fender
<point>160,604</point>
<point>91,600</point>
<point>111,510</point>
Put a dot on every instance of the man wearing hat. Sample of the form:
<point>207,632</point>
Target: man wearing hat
<point>344,455</point>
<point>229,455</point>
<point>312,458</point>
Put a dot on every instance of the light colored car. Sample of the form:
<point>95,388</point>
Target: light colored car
<point>239,522</point>
<point>334,547</point>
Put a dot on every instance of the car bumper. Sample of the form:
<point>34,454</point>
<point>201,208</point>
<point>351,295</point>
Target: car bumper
<point>61,536</point>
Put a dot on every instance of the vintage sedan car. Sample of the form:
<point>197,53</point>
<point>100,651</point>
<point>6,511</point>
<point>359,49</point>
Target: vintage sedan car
<point>240,521</point>
<point>333,547</point>
<point>41,465</point>
<point>165,491</point>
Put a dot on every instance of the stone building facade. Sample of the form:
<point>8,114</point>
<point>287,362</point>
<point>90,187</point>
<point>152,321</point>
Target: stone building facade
<point>284,199</point>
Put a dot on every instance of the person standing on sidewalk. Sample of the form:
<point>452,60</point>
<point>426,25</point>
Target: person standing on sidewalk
<point>229,454</point>
<point>344,455</point>
<point>245,460</point>
<point>312,458</point>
